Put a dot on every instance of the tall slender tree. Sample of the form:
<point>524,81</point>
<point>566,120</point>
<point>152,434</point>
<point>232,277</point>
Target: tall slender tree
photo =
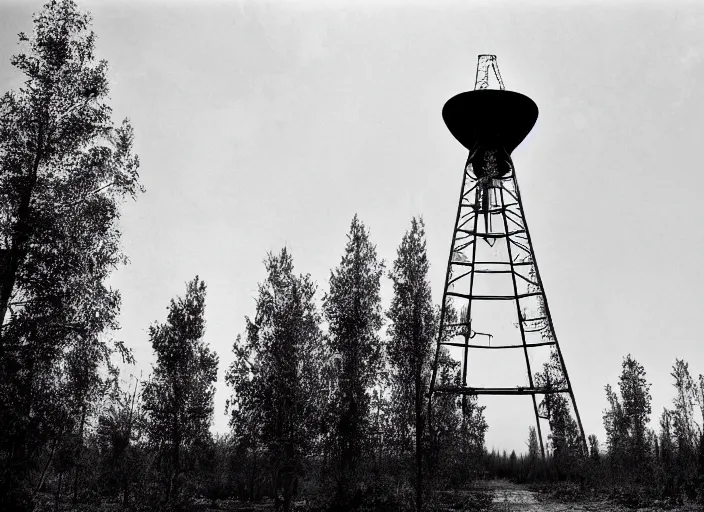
<point>276,373</point>
<point>533,447</point>
<point>64,170</point>
<point>178,399</point>
<point>616,427</point>
<point>594,453</point>
<point>636,399</point>
<point>625,422</point>
<point>352,308</point>
<point>411,334</point>
<point>684,426</point>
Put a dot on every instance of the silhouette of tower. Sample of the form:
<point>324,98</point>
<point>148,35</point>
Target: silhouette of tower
<point>491,255</point>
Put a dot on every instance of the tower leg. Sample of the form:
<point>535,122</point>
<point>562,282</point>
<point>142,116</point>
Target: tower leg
<point>443,305</point>
<point>549,318</point>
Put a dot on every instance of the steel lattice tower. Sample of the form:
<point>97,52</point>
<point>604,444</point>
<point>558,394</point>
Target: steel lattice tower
<point>491,123</point>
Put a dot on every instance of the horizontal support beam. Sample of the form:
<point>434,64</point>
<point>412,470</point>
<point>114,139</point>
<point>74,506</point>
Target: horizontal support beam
<point>527,345</point>
<point>493,297</point>
<point>535,329</point>
<point>490,211</point>
<point>469,263</point>
<point>469,272</point>
<point>534,319</point>
<point>490,235</point>
<point>461,390</point>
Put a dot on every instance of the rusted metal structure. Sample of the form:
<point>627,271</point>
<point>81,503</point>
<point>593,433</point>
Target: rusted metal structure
<point>491,123</point>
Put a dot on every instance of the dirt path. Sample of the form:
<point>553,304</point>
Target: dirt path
<point>506,496</point>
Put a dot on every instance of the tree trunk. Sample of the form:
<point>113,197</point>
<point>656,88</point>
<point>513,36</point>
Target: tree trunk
<point>128,434</point>
<point>174,456</point>
<point>20,236</point>
<point>79,451</point>
<point>58,491</point>
<point>19,460</point>
<point>176,462</point>
<point>419,442</point>
<point>254,473</point>
<point>46,466</point>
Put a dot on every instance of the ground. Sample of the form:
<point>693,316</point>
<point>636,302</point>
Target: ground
<point>487,495</point>
<point>494,495</point>
<point>507,496</point>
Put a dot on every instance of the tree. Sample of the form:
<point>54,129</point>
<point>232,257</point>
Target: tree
<point>456,427</point>
<point>684,427</point>
<point>276,376</point>
<point>666,444</point>
<point>699,399</point>
<point>626,419</point>
<point>593,447</point>
<point>471,431</point>
<point>445,417</point>
<point>352,309</point>
<point>685,430</point>
<point>564,435</point>
<point>64,170</point>
<point>245,406</point>
<point>533,447</point>
<point>116,434</point>
<point>411,334</point>
<point>700,470</point>
<point>178,399</point>
<point>615,426</point>
<point>666,464</point>
<point>635,394</point>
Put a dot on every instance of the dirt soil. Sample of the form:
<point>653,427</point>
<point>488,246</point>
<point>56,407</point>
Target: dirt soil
<point>489,495</point>
<point>507,496</point>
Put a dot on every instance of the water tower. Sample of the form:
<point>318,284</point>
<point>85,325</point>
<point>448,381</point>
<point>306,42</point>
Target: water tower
<point>491,255</point>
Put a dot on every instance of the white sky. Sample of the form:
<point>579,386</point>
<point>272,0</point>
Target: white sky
<point>260,125</point>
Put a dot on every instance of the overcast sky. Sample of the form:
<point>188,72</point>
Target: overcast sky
<point>268,124</point>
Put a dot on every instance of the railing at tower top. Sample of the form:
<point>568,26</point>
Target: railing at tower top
<point>496,196</point>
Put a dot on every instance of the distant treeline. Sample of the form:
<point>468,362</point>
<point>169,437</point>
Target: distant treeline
<point>637,465</point>
<point>326,405</point>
